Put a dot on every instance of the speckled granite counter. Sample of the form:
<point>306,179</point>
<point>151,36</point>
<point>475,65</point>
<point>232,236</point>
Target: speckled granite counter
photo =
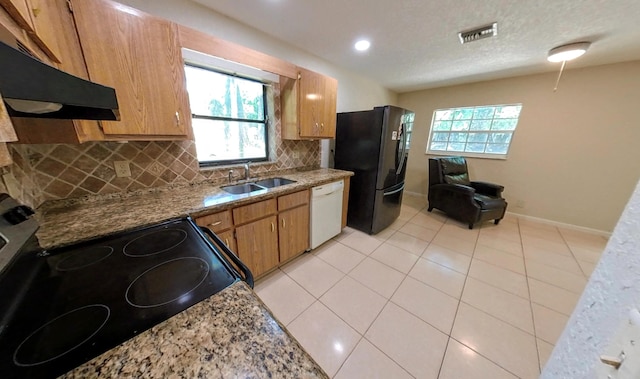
<point>229,335</point>
<point>64,222</point>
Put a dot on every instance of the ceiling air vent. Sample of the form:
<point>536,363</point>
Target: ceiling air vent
<point>479,33</point>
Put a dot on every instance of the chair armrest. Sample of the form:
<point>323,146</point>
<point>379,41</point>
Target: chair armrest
<point>486,188</point>
<point>457,188</point>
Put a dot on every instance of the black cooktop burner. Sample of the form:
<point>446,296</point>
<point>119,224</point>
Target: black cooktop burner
<point>152,289</point>
<point>82,258</point>
<point>61,309</point>
<point>64,333</point>
<point>155,243</point>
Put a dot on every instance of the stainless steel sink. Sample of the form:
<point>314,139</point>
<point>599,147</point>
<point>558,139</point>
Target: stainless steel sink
<point>274,182</point>
<point>242,188</point>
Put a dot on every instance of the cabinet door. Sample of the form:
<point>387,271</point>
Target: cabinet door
<point>229,240</point>
<point>138,55</point>
<point>257,245</point>
<point>293,232</point>
<point>310,103</point>
<point>43,16</point>
<point>328,121</point>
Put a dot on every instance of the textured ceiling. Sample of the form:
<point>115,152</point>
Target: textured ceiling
<point>415,42</point>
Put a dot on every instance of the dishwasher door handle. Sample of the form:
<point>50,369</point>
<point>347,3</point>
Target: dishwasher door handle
<point>248,276</point>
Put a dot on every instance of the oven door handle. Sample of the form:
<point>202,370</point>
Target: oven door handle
<point>248,277</point>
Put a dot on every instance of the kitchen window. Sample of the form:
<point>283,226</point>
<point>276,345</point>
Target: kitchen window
<point>482,131</point>
<point>229,116</point>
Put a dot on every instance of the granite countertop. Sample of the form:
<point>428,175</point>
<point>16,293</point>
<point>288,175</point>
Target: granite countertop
<point>65,222</point>
<point>229,335</point>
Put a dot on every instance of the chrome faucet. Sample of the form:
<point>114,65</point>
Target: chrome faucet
<point>246,171</point>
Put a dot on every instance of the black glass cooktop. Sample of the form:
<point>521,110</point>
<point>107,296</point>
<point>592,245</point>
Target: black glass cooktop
<point>69,305</point>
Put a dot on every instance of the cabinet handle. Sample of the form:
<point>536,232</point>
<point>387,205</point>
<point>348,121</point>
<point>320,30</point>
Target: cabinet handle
<point>226,242</point>
<point>178,118</point>
<point>216,223</point>
<point>273,228</point>
<point>284,224</point>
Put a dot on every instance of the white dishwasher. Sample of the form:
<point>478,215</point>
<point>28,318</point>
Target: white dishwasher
<point>326,212</point>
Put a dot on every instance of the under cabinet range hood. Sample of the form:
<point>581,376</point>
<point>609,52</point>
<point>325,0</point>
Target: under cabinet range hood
<point>33,89</point>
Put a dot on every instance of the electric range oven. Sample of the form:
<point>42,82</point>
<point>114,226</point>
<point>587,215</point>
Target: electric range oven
<point>60,308</point>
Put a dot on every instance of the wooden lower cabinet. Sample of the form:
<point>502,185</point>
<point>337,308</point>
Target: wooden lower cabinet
<point>293,231</point>
<point>229,240</point>
<point>257,245</point>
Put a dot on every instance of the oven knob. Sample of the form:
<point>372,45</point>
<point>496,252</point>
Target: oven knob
<point>18,214</point>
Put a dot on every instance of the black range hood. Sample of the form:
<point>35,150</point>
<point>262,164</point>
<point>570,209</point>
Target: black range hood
<point>33,89</point>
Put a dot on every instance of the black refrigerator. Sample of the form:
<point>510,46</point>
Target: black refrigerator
<point>374,144</point>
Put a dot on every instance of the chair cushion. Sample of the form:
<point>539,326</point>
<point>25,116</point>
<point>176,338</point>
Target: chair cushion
<point>457,179</point>
<point>453,165</point>
<point>488,202</point>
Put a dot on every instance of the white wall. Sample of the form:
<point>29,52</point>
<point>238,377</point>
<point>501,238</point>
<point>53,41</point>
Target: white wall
<point>574,157</point>
<point>355,92</point>
<point>613,290</point>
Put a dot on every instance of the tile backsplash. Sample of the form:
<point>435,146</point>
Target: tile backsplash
<point>60,171</point>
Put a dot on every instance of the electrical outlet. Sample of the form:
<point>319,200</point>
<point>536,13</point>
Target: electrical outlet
<point>122,169</point>
<point>296,154</point>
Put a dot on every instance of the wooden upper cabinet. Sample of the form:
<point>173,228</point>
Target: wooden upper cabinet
<point>38,19</point>
<point>309,106</point>
<point>138,55</point>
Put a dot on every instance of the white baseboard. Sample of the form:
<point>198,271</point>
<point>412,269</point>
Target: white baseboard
<point>561,224</point>
<point>415,194</point>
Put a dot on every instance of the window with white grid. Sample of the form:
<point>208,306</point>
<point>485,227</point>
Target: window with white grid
<point>483,131</point>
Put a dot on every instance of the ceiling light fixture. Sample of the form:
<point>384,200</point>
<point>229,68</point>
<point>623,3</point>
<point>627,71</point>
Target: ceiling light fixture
<point>568,52</point>
<point>362,45</point>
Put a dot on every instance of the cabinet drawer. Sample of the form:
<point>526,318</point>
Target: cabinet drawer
<point>255,211</point>
<point>293,200</point>
<point>217,222</point>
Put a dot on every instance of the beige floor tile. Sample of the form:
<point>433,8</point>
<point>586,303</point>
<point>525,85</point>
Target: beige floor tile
<point>313,274</point>
<point>327,338</point>
<point>414,201</point>
<point>394,257</point>
<point>407,212</point>
<point>439,277</point>
<point>283,296</point>
<point>339,256</point>
<point>460,231</point>
<point>448,258</point>
<point>498,303</point>
<point>571,282</point>
<point>559,261</point>
<point>544,352</point>
<point>354,303</point>
<point>549,323</point>
<point>384,234</point>
<point>460,245</point>
<point>460,362</point>
<point>367,362</point>
<point>408,243</point>
<point>344,233</point>
<point>500,258</point>
<point>502,244</point>
<point>587,268</point>
<point>506,345</point>
<point>409,341</point>
<point>552,245</point>
<point>586,254</point>
<point>550,296</point>
<point>500,231</point>
<point>428,220</point>
<point>431,305</point>
<point>397,224</point>
<point>499,278</point>
<point>418,231</point>
<point>377,276</point>
<point>361,242</point>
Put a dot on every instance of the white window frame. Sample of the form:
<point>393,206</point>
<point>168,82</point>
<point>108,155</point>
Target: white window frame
<point>492,130</point>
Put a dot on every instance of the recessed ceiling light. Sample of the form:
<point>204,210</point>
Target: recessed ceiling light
<point>568,52</point>
<point>362,45</point>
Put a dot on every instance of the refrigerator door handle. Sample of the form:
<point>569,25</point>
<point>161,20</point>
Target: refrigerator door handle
<point>394,191</point>
<point>404,149</point>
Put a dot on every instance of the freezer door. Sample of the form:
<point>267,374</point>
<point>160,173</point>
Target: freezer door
<point>387,207</point>
<point>392,148</point>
